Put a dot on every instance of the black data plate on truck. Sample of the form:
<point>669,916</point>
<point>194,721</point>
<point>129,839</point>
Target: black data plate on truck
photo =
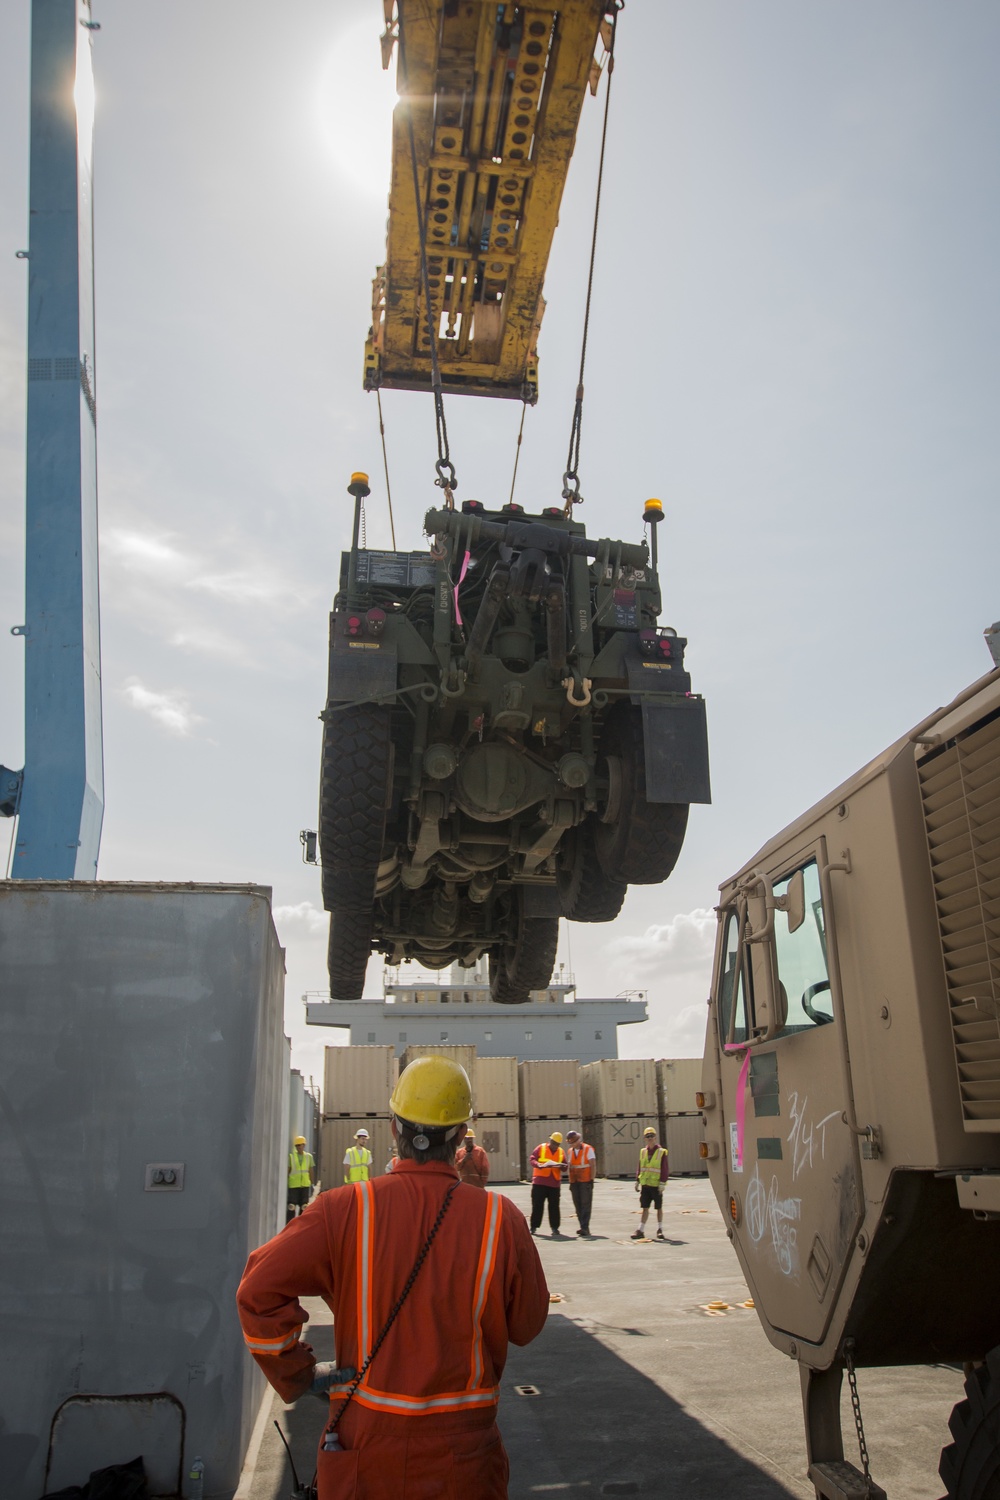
<point>401,570</point>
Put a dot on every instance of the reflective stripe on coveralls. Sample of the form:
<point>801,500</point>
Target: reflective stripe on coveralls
<point>393,1401</point>
<point>549,1166</point>
<point>359,1159</point>
<point>273,1346</point>
<point>649,1166</point>
<point>298,1169</point>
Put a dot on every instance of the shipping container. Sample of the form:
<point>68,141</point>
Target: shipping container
<point>496,1086</point>
<point>534,1132</point>
<point>143,1057</point>
<point>683,1136</point>
<point>500,1138</point>
<point>617,1142</point>
<point>678,1079</point>
<point>357,1080</point>
<point>465,1056</point>
<point>618,1086</point>
<point>338,1134</point>
<point>549,1090</point>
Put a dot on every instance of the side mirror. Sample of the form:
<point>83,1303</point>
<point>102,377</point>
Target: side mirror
<point>793,903</point>
<point>770,1001</point>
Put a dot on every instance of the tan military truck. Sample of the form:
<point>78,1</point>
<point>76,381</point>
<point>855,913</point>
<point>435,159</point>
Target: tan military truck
<point>851,1088</point>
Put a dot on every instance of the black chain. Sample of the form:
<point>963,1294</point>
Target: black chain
<point>335,1422</point>
<point>446,479</point>
<point>571,478</point>
<point>852,1381</point>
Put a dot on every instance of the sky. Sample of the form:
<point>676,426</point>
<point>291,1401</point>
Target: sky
<point>794,343</point>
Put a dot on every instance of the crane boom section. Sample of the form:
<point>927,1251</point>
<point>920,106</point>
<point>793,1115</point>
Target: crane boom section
<point>490,100</point>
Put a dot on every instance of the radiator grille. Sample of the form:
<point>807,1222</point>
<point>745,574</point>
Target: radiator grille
<point>960,789</point>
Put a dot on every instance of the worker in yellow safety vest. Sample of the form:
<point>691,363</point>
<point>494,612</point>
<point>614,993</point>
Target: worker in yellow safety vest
<point>301,1176</point>
<point>547,1162</point>
<point>651,1175</point>
<point>358,1159</point>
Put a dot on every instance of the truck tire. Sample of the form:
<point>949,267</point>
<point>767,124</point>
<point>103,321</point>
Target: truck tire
<point>970,1466</point>
<point>354,785</point>
<point>641,843</point>
<point>348,952</point>
<point>524,963</point>
<point>586,893</point>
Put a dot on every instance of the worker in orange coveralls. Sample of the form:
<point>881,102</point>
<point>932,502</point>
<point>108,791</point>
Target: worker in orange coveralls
<point>472,1163</point>
<point>413,1401</point>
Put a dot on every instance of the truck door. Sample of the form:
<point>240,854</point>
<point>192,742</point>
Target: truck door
<point>793,1172</point>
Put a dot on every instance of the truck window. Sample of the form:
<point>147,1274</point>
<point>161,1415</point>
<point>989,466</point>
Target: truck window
<point>732,980</point>
<point>802,966</point>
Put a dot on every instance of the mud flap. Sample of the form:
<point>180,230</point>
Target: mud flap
<point>675,739</point>
<point>361,673</point>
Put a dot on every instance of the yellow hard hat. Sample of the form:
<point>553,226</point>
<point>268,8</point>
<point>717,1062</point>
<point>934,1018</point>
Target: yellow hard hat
<point>649,1130</point>
<point>432,1091</point>
<point>300,1140</point>
<point>556,1136</point>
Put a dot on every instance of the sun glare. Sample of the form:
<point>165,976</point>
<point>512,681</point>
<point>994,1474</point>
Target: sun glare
<point>355,99</point>
<point>84,96</point>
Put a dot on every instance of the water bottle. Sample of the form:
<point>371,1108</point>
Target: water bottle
<point>332,1443</point>
<point>196,1480</point>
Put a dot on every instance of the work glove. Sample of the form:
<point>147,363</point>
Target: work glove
<point>637,1187</point>
<point>326,1374</point>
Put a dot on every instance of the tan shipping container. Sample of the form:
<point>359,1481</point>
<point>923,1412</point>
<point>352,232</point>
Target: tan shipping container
<point>496,1086</point>
<point>549,1090</point>
<point>678,1079</point>
<point>338,1133</point>
<point>535,1132</point>
<point>499,1137</point>
<point>463,1055</point>
<point>617,1142</point>
<point>358,1080</point>
<point>618,1086</point>
<point>684,1134</point>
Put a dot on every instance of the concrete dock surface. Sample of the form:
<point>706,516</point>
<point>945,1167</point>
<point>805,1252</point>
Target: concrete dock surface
<point>644,1389</point>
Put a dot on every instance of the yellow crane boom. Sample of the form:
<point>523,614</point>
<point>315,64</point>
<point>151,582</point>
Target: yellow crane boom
<point>493,94</point>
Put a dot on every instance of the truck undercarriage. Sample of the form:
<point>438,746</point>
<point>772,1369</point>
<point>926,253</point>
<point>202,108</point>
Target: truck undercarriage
<point>509,737</point>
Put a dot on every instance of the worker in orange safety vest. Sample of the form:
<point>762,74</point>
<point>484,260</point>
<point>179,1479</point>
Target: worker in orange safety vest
<point>421,1324</point>
<point>547,1162</point>
<point>582,1162</point>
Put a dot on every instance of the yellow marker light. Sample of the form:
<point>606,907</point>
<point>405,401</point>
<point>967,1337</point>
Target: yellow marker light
<point>358,486</point>
<point>359,478</point>
<point>734,1209</point>
<point>653,511</point>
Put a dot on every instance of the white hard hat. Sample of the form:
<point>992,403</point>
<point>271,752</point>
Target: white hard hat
<point>359,1133</point>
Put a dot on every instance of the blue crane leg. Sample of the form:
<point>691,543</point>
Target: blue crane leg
<point>62,797</point>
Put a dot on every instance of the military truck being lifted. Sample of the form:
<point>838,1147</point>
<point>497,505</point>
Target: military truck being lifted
<point>509,738</point>
<point>852,1085</point>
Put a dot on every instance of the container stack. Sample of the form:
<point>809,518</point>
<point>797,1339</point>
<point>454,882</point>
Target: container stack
<point>682,1127</point>
<point>357,1082</point>
<point>618,1096</point>
<point>548,1100</point>
<point>465,1056</point>
<point>495,1102</point>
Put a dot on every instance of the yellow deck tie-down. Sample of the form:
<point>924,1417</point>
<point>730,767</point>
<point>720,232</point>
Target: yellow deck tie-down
<point>495,93</point>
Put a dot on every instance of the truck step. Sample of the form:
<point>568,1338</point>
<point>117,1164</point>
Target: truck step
<point>839,1480</point>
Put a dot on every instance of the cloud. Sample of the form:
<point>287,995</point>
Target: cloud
<point>245,588</point>
<point>302,921</point>
<point>141,552</point>
<point>170,710</point>
<point>154,557</point>
<point>210,642</point>
<point>684,945</point>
